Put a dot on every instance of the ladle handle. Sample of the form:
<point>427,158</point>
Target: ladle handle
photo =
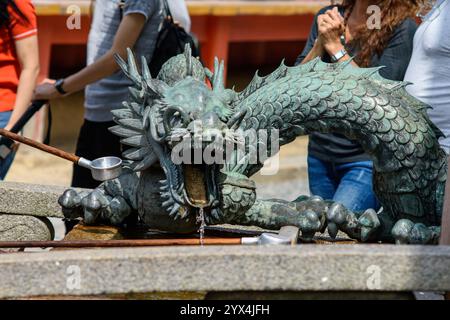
<point>40,146</point>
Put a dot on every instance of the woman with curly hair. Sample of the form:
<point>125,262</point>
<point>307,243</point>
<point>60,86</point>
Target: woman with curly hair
<point>19,63</point>
<point>375,33</point>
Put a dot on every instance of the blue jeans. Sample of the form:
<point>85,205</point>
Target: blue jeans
<point>5,163</point>
<point>349,184</point>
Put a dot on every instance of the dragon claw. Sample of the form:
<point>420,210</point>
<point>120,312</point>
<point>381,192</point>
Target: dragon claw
<point>94,206</point>
<point>420,234</point>
<point>70,202</point>
<point>316,199</point>
<point>69,199</point>
<point>309,224</point>
<point>94,201</point>
<point>407,232</point>
<point>332,230</point>
<point>336,215</point>
<point>401,231</point>
<point>368,223</point>
<point>119,209</point>
<point>362,227</point>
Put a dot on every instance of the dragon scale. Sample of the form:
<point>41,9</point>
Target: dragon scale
<point>410,168</point>
<point>392,127</point>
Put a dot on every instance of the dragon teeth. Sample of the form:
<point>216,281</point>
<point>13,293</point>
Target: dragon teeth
<point>183,213</point>
<point>174,209</point>
<point>165,195</point>
<point>215,214</point>
<point>167,203</point>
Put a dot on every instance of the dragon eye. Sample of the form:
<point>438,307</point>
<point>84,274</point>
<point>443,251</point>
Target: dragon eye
<point>175,117</point>
<point>177,121</point>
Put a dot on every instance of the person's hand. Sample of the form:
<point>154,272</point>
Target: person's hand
<point>46,91</point>
<point>9,126</point>
<point>15,145</point>
<point>318,46</point>
<point>331,27</point>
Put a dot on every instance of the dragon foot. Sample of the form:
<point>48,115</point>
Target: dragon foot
<point>307,214</point>
<point>361,227</point>
<point>94,207</point>
<point>110,203</point>
<point>407,232</point>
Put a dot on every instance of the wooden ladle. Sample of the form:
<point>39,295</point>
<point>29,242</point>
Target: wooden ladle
<point>102,169</point>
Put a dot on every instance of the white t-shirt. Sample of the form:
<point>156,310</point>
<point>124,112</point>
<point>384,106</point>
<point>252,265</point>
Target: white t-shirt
<point>429,68</point>
<point>108,93</point>
<point>180,13</point>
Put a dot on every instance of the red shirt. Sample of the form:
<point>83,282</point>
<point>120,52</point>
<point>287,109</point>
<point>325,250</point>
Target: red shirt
<point>17,29</point>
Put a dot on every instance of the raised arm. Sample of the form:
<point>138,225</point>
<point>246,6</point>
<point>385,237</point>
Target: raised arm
<point>325,37</point>
<point>128,33</point>
<point>28,55</point>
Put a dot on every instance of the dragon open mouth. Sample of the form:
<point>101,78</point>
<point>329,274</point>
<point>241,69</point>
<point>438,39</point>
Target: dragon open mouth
<point>200,188</point>
<point>192,160</point>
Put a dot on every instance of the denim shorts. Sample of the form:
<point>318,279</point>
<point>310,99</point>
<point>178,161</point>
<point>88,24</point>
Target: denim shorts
<point>349,184</point>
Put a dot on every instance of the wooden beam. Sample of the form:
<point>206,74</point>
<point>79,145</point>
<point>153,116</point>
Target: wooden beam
<point>200,8</point>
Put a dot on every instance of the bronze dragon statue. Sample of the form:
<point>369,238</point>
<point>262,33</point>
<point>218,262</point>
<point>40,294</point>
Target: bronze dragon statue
<point>410,168</point>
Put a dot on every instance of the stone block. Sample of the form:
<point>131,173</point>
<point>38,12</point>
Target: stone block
<point>372,268</point>
<point>28,199</point>
<point>25,228</point>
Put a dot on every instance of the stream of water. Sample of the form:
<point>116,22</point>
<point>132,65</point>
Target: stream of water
<point>201,221</point>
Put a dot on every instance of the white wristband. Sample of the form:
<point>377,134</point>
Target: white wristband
<point>339,55</point>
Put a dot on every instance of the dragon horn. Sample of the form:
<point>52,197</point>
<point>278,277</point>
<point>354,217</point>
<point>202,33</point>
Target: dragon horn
<point>145,70</point>
<point>209,74</point>
<point>157,87</point>
<point>218,78</point>
<point>129,68</point>
<point>122,64</point>
<point>132,67</point>
<point>188,55</point>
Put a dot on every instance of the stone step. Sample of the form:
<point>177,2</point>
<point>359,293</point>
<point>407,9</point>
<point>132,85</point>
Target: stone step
<point>30,199</point>
<point>317,268</point>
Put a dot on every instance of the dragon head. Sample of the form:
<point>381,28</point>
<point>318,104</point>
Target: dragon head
<point>178,121</point>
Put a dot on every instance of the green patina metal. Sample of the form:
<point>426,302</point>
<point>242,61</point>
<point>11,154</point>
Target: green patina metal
<point>410,168</point>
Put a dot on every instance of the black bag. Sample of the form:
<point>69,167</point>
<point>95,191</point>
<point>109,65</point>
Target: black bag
<point>171,41</point>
